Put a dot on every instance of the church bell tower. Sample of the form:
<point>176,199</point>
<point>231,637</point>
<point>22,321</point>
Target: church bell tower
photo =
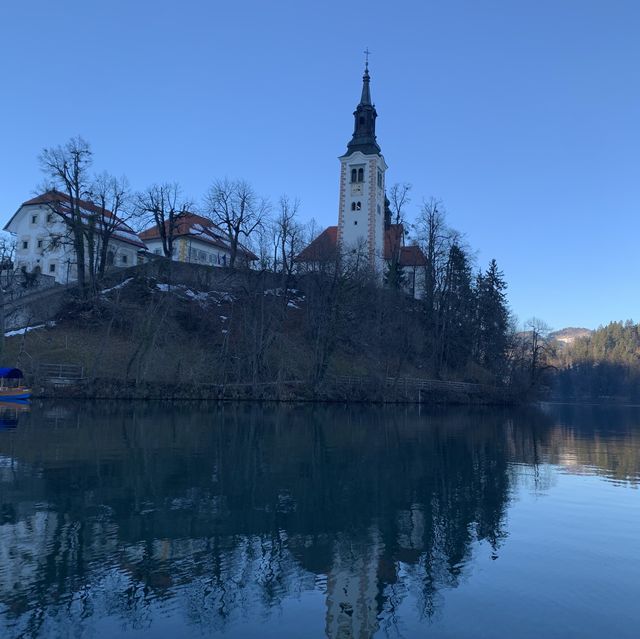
<point>362,183</point>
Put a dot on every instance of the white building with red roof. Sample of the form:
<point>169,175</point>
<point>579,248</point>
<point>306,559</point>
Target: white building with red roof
<point>196,240</point>
<point>43,240</point>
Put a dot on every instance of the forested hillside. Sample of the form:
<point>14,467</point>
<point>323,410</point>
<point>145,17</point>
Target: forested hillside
<point>603,365</point>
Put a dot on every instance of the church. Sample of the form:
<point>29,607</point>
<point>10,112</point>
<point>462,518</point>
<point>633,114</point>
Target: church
<point>364,219</point>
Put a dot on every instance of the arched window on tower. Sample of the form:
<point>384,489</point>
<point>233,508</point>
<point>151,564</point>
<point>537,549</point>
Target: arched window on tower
<point>353,206</point>
<point>360,175</point>
<point>358,206</point>
<point>354,175</point>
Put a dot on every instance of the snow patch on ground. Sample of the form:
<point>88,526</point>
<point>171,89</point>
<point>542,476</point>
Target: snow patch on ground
<point>116,287</point>
<point>27,329</point>
<point>197,295</point>
<point>202,297</point>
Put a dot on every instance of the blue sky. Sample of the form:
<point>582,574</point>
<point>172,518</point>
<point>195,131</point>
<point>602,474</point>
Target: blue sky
<point>522,116</point>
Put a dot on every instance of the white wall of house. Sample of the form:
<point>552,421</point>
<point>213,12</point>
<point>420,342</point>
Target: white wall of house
<point>36,228</point>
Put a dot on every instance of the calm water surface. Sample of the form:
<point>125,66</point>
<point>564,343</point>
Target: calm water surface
<point>190,520</point>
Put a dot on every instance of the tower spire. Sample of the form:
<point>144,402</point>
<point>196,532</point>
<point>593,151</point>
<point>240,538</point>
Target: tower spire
<point>364,133</point>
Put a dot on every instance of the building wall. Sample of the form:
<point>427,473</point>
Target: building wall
<point>35,228</point>
<point>193,251</point>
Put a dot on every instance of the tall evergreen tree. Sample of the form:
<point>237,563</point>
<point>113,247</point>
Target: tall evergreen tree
<point>457,311</point>
<point>394,276</point>
<point>492,319</point>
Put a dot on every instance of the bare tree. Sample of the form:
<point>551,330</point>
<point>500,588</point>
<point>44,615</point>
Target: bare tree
<point>540,350</point>
<point>287,235</point>
<point>434,238</point>
<point>234,206</point>
<point>67,170</point>
<point>112,199</point>
<point>7,252</point>
<point>398,201</point>
<point>164,205</point>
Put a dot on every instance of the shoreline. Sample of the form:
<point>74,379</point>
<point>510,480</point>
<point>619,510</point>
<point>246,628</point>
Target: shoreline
<point>328,393</point>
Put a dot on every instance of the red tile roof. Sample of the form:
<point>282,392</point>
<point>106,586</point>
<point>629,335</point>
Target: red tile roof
<point>200,228</point>
<point>323,248</point>
<point>412,256</point>
<point>122,231</point>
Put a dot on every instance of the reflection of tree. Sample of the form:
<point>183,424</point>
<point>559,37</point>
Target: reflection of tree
<point>225,512</point>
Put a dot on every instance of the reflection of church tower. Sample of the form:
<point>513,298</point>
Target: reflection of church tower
<point>353,588</point>
<point>361,215</point>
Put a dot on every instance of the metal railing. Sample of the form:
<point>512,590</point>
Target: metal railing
<point>71,372</point>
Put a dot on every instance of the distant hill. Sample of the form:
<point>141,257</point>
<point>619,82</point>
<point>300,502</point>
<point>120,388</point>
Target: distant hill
<point>569,335</point>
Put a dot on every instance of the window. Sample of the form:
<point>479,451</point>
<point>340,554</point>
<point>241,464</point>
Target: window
<point>353,206</point>
<point>40,243</point>
<point>354,175</point>
<point>25,244</point>
<point>34,219</point>
<point>124,259</point>
<point>360,175</point>
<point>358,206</point>
<point>49,218</point>
<point>378,209</point>
<point>156,251</point>
<point>361,120</point>
<point>52,268</point>
<point>355,223</point>
<point>379,178</point>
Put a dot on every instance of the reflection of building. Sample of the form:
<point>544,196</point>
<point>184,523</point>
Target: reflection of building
<point>44,244</point>
<point>353,587</point>
<point>197,240</point>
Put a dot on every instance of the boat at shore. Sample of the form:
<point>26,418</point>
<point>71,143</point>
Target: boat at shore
<point>10,387</point>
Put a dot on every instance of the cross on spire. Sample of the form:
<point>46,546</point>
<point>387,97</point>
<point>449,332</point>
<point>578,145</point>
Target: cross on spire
<point>367,53</point>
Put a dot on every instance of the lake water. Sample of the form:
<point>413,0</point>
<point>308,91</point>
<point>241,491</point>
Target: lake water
<point>245,520</point>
